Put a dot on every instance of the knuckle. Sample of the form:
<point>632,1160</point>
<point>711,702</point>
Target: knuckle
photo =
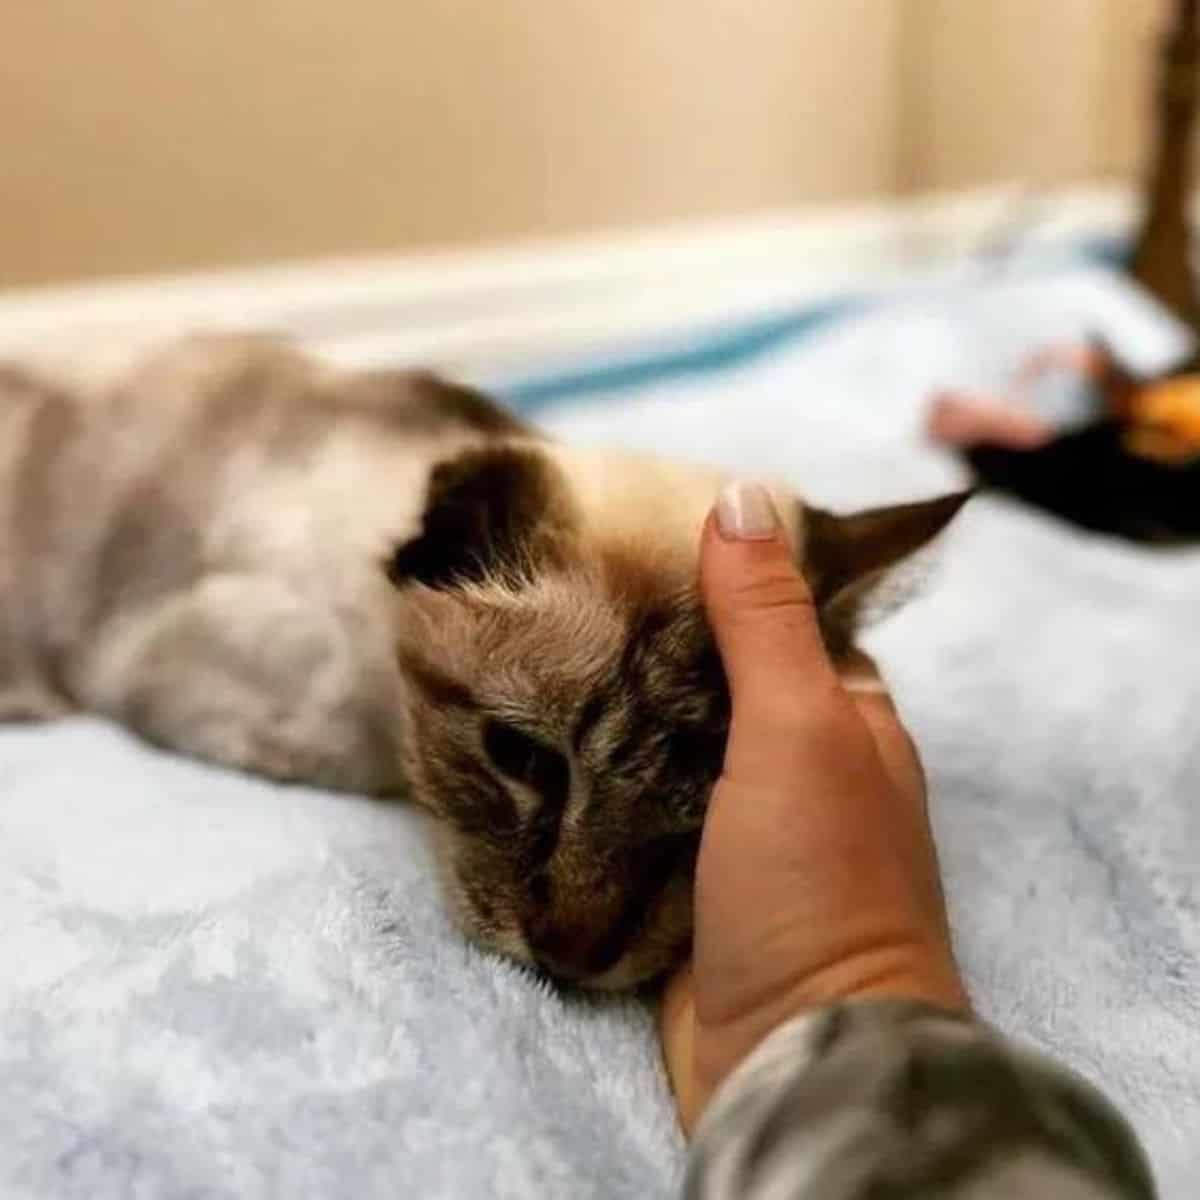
<point>812,716</point>
<point>767,591</point>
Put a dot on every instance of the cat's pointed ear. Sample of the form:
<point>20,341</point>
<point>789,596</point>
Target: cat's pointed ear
<point>847,557</point>
<point>492,511</point>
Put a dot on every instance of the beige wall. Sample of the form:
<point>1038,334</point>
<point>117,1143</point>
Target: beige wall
<point>1133,38</point>
<point>141,134</point>
<point>992,84</point>
<point>144,135</point>
<point>1030,89</point>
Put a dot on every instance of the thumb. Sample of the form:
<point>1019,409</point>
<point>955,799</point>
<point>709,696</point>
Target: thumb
<point>759,606</point>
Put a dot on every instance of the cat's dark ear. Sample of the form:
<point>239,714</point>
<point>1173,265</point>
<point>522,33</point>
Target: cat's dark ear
<point>492,511</point>
<point>847,557</point>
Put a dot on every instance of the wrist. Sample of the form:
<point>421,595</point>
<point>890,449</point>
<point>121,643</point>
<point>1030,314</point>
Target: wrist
<point>720,1040</point>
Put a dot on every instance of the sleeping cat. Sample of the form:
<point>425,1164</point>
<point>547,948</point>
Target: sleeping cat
<point>381,582</point>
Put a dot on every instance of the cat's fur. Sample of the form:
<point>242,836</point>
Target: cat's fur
<point>381,582</point>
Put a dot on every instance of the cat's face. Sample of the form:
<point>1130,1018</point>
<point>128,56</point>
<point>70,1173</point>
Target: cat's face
<point>567,710</point>
<point>568,735</point>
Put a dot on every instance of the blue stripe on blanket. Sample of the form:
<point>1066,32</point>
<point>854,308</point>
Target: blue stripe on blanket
<point>707,350</point>
<point>719,348</point>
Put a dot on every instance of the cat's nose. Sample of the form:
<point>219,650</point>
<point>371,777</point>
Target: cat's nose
<point>569,952</point>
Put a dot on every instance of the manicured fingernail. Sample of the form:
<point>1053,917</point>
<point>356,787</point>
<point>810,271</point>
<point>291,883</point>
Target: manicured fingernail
<point>746,512</point>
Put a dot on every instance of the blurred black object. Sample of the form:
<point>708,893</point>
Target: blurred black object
<point>1089,478</point>
<point>1133,472</point>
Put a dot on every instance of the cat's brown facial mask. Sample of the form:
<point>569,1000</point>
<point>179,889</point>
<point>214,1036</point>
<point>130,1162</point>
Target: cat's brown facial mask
<point>567,708</point>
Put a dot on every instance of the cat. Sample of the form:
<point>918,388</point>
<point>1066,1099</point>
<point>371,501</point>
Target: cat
<point>383,582</point>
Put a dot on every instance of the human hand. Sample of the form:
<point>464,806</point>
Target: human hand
<point>817,878</point>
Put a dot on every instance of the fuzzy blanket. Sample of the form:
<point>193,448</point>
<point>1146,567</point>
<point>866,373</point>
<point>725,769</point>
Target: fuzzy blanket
<point>214,987</point>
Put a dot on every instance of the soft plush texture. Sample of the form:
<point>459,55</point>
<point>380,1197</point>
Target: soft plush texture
<point>214,987</point>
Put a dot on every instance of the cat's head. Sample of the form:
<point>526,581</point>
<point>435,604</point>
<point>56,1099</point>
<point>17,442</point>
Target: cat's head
<point>566,708</point>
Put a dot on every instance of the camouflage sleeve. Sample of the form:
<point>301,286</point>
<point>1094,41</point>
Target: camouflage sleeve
<point>888,1099</point>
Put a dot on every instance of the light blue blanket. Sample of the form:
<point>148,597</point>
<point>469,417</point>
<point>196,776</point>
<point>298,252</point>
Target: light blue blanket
<point>213,987</point>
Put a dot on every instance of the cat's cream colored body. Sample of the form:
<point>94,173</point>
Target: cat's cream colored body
<point>284,520</point>
<point>255,625</point>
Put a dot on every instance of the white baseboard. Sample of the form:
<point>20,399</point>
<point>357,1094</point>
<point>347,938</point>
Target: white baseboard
<point>494,309</point>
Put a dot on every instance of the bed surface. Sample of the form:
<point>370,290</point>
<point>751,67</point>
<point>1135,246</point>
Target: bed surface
<point>214,987</point>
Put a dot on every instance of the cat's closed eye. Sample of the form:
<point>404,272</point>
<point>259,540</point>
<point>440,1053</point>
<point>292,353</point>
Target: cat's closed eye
<point>526,760</point>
